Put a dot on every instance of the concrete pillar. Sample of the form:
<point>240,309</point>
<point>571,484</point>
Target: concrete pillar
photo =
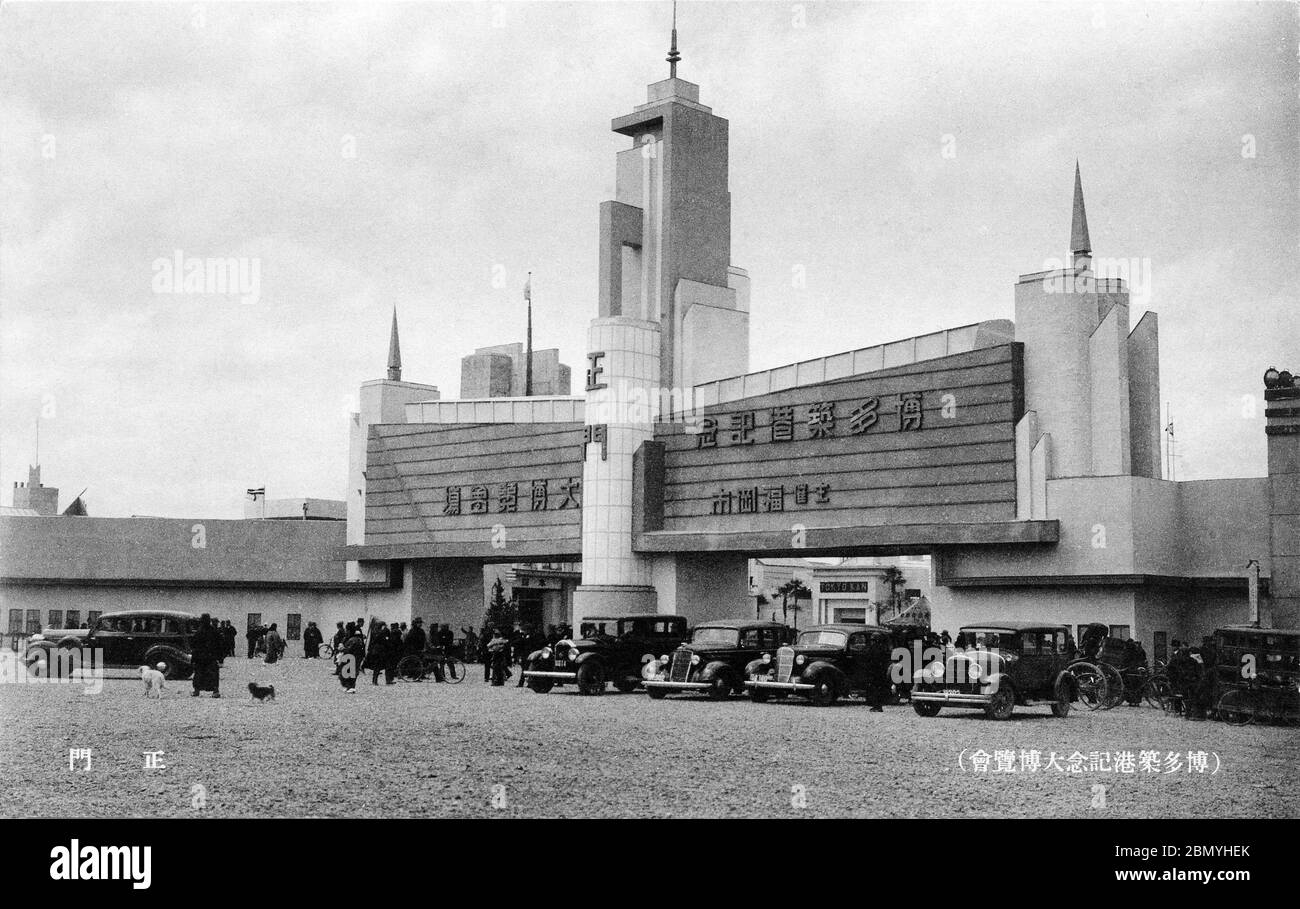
<point>622,392</point>
<point>1282,425</point>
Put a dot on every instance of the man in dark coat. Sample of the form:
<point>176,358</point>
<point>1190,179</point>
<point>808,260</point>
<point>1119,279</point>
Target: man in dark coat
<point>377,652</point>
<point>205,649</point>
<point>877,672</point>
<point>393,652</point>
<point>311,641</point>
<point>251,635</point>
<point>274,644</point>
<point>415,640</point>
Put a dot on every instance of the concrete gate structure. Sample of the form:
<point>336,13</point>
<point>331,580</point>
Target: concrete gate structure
<point>1023,456</point>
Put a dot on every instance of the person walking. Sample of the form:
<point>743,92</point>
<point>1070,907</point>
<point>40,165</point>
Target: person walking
<point>251,635</point>
<point>351,658</point>
<point>205,649</point>
<point>274,644</point>
<point>393,653</point>
<point>377,652</point>
<point>499,648</point>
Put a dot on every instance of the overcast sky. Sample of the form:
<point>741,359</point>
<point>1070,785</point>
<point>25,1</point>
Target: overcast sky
<point>374,155</point>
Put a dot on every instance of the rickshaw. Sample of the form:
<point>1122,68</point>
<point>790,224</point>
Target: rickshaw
<point>1109,671</point>
<point>1257,675</point>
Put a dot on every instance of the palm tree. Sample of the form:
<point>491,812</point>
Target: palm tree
<point>893,580</point>
<point>793,589</point>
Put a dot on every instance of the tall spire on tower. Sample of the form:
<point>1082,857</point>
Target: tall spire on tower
<point>1080,245</point>
<point>528,354</point>
<point>394,353</point>
<point>673,56</point>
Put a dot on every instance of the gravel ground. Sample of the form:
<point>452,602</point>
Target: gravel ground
<point>446,750</point>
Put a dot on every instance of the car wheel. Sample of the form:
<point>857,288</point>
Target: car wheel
<point>720,687</point>
<point>1002,705</point>
<point>177,666</point>
<point>759,695</point>
<point>541,686</point>
<point>656,694</point>
<point>591,679</point>
<point>626,685</point>
<point>823,693</point>
<point>1064,695</point>
<point>925,708</point>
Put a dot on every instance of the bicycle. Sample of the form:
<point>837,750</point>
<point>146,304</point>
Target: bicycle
<point>417,667</point>
<point>1257,704</point>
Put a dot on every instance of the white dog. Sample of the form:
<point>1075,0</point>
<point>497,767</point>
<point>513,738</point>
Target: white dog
<point>153,680</point>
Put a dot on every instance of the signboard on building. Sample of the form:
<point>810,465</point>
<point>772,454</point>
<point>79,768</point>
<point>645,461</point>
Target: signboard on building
<point>490,490</point>
<point>927,443</point>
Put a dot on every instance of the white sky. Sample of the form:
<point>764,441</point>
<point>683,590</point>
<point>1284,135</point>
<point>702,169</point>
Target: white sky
<point>482,142</point>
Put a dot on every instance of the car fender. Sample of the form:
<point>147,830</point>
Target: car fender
<point>588,657</point>
<point>995,682</point>
<point>71,641</point>
<point>756,667</point>
<point>535,656</point>
<point>712,669</point>
<point>817,670</point>
<point>179,663</point>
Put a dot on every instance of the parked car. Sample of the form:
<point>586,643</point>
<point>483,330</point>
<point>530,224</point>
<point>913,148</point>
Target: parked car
<point>612,650</point>
<point>825,663</point>
<point>128,639</point>
<point>996,666</point>
<point>713,661</point>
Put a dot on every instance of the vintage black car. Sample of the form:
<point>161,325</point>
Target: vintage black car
<point>613,650</point>
<point>826,663</point>
<point>129,639</point>
<point>996,666</point>
<point>713,661</point>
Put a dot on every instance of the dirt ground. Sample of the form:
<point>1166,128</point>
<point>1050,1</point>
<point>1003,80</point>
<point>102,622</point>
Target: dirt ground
<point>470,750</point>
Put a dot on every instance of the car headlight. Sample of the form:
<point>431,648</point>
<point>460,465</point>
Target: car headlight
<point>799,660</point>
<point>664,658</point>
<point>695,659</point>
<point>546,653</point>
<point>767,658</point>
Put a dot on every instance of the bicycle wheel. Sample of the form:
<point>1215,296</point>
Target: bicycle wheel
<point>1156,692</point>
<point>411,668</point>
<point>453,671</point>
<point>1090,685</point>
<point>1237,707</point>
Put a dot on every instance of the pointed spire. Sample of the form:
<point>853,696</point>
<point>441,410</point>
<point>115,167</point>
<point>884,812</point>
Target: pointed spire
<point>394,353</point>
<point>528,355</point>
<point>1079,242</point>
<point>673,56</point>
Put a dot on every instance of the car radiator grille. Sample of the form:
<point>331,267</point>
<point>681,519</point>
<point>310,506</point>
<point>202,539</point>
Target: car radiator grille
<point>784,664</point>
<point>681,666</point>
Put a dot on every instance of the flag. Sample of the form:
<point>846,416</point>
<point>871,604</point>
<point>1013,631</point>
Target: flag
<point>255,493</point>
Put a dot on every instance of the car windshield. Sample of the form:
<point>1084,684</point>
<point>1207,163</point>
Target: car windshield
<point>715,636</point>
<point>833,638</point>
<point>986,640</point>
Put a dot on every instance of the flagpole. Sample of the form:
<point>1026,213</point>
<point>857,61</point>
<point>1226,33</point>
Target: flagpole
<point>528,356</point>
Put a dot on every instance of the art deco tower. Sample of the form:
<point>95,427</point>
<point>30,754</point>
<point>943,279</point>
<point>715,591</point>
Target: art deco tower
<point>665,239</point>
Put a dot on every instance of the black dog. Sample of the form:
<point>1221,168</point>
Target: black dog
<point>261,692</point>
